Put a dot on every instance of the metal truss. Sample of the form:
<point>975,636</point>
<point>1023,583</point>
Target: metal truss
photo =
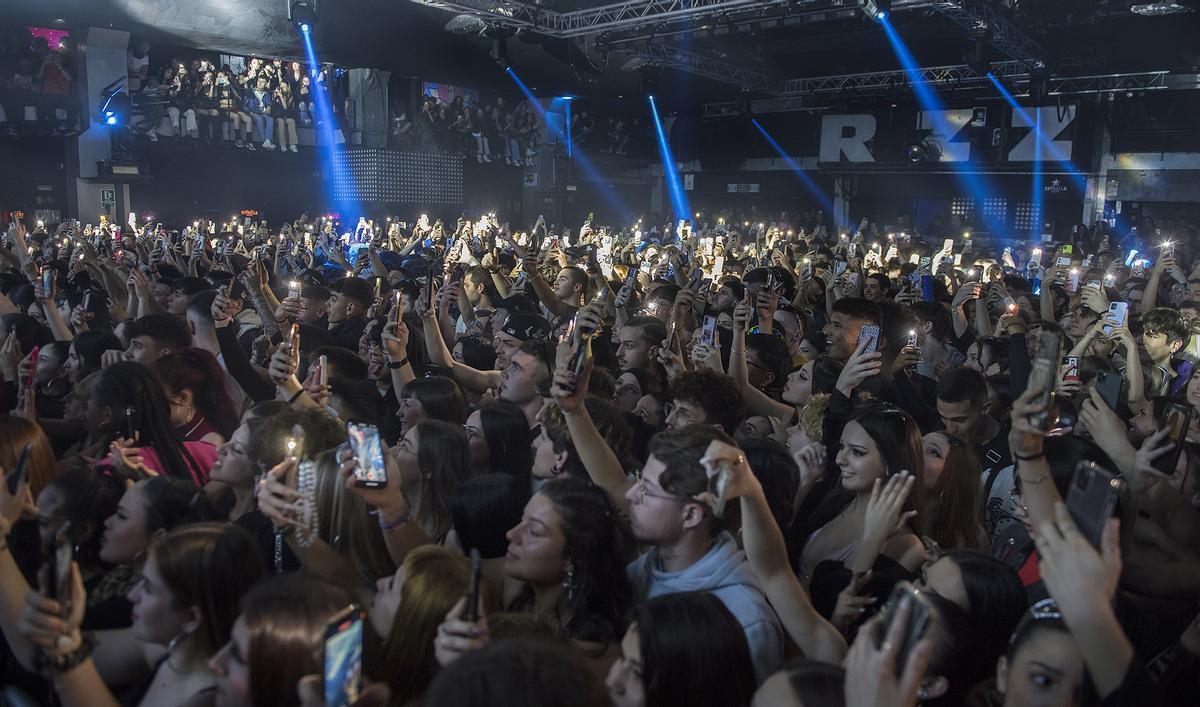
<point>814,93</point>
<point>633,14</point>
<point>988,22</point>
<point>684,60</point>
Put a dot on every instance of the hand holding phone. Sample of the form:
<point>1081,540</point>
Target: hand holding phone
<point>343,658</point>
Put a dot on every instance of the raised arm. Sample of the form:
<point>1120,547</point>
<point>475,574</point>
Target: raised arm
<point>758,402</point>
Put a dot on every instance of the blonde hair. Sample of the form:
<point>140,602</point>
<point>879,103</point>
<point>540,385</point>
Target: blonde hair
<point>812,416</point>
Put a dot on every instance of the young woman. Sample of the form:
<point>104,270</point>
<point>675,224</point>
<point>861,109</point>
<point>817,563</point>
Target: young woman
<point>567,553</point>
<point>83,357</point>
<point>867,524</point>
<point>952,485</point>
<point>234,467</point>
<point>284,111</point>
<point>184,606</point>
<point>484,509</point>
<point>129,397</point>
<point>683,649</point>
<point>201,409</point>
<point>433,398</point>
<point>498,436</point>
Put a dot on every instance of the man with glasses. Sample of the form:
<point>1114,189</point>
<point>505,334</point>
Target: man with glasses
<point>690,547</point>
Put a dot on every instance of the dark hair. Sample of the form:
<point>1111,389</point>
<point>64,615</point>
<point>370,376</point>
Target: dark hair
<point>506,432</point>
<point>440,397</point>
<point>126,385</point>
<point>610,422</point>
<point>171,503</point>
<point>683,475</point>
<point>653,330</point>
<point>898,440</point>
<point>28,332</point>
<point>694,652</point>
<point>343,363</point>
<point>90,345</point>
<point>444,461</point>
<point>817,683</point>
<point>87,499</point>
<point>486,507</point>
<point>963,384</point>
<point>596,604</point>
<point>715,393</point>
<point>477,353</point>
<point>165,329</point>
<point>995,595</point>
<point>1164,320</point>
<point>285,619</point>
<point>360,399</point>
<point>825,374</point>
<point>779,475</point>
<point>522,671</point>
<point>773,353</point>
<point>200,305</point>
<point>859,309</point>
<point>954,502</point>
<point>267,435</point>
<point>957,655</point>
<point>209,566</point>
<point>936,315</point>
<point>197,370</point>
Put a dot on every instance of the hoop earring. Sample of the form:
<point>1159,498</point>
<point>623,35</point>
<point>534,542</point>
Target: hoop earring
<point>569,584</point>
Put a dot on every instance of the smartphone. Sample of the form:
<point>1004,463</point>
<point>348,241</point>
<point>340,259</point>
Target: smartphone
<point>1093,495</point>
<point>839,267</point>
<point>708,333</point>
<point>343,658</point>
<point>56,573</point>
<point>1109,387</point>
<point>323,370</point>
<point>1070,366</point>
<point>434,269</point>
<point>1175,418</point>
<point>925,264</point>
<point>294,338</point>
<point>87,301</point>
<point>870,334</point>
<point>397,307</point>
<point>1043,376</point>
<point>1073,280</point>
<point>472,615</point>
<point>20,470</point>
<point>919,617</point>
<point>131,423</point>
<point>367,449</point>
<point>48,280</point>
<point>1118,311</point>
<point>927,288</point>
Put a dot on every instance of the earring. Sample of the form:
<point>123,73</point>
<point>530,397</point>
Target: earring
<point>569,584</point>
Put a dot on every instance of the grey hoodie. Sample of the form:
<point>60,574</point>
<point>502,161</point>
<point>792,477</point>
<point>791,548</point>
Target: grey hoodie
<point>724,572</point>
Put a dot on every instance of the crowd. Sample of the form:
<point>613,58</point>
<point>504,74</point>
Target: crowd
<point>486,465</point>
<point>36,80</point>
<point>262,105</point>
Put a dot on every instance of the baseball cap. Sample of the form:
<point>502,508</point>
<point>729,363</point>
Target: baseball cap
<point>525,326</point>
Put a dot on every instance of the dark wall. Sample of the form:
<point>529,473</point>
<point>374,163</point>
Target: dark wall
<point>32,177</point>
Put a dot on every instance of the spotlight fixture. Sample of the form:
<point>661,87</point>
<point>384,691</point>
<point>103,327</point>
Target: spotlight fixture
<point>499,53</point>
<point>920,150</point>
<point>303,14</point>
<point>877,10</point>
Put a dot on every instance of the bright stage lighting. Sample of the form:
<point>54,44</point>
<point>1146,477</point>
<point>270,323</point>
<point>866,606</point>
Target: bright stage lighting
<point>304,14</point>
<point>679,202</point>
<point>801,174</point>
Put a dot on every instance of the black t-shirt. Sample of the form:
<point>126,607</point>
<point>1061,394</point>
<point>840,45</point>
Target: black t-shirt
<point>995,460</point>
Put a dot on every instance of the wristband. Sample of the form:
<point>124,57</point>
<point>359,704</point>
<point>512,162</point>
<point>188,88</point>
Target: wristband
<point>397,364</point>
<point>399,522</point>
<point>296,396</point>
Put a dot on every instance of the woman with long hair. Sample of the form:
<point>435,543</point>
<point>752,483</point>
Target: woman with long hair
<point>683,650</point>
<point>952,485</point>
<point>433,398</point>
<point>567,552</point>
<point>83,357</point>
<point>128,398</point>
<point>498,436</point>
<point>284,111</point>
<point>201,409</point>
<point>234,466</point>
<point>184,607</point>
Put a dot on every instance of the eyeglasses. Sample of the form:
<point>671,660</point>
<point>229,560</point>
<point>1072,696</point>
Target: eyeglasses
<point>643,490</point>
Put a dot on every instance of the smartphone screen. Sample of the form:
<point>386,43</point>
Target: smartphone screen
<point>1109,386</point>
<point>1042,375</point>
<point>343,658</point>
<point>323,370</point>
<point>367,449</point>
<point>1118,311</point>
<point>294,338</point>
<point>709,333</point>
<point>56,573</point>
<point>927,294</point>
<point>1093,495</point>
<point>19,470</point>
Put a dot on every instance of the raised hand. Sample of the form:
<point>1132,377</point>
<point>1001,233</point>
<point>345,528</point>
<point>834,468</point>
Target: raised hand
<point>457,636</point>
<point>885,516</point>
<point>859,367</point>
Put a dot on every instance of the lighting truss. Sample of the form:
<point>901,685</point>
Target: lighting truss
<point>994,26</point>
<point>812,93</point>
<point>684,60</point>
<point>630,14</point>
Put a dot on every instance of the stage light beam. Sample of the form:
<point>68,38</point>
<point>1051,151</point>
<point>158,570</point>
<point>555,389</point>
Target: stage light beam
<point>343,194</point>
<point>679,202</point>
<point>801,174</point>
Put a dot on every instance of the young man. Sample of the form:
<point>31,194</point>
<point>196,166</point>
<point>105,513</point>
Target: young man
<point>526,381</point>
<point>690,548</point>
<point>963,404</point>
<point>1164,333</point>
<point>706,397</point>
<point>876,287</point>
<point>636,341</point>
<point>348,307</point>
<point>155,335</point>
<point>849,316</point>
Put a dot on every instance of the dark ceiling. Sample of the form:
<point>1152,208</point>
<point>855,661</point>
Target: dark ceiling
<point>409,39</point>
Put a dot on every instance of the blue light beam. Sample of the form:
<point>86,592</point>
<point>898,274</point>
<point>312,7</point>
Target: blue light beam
<point>801,174</point>
<point>606,190</point>
<point>343,194</point>
<point>931,102</point>
<point>1056,155</point>
<point>679,202</point>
